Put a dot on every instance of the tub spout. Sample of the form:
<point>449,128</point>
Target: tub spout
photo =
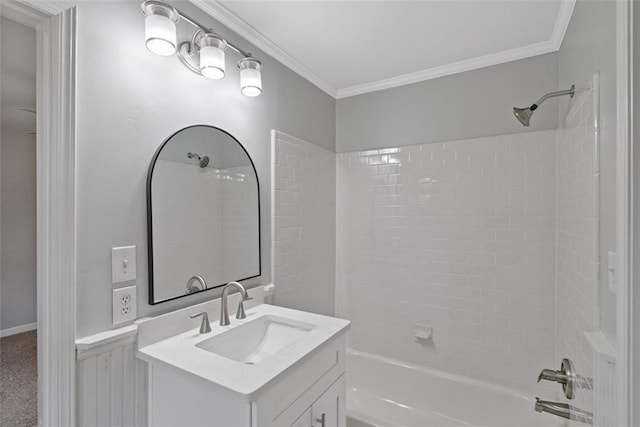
<point>555,408</point>
<point>564,410</point>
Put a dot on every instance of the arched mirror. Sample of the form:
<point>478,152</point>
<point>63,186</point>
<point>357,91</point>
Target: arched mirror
<point>203,214</point>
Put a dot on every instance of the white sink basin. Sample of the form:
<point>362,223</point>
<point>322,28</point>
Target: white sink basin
<point>256,340</point>
<point>248,354</point>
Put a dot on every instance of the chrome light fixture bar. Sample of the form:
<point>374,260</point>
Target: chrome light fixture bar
<point>204,53</point>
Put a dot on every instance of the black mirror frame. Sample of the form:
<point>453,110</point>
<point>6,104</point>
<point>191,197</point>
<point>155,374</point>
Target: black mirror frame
<point>150,217</point>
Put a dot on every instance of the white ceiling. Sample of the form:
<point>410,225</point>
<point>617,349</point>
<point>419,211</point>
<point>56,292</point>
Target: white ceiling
<point>352,47</point>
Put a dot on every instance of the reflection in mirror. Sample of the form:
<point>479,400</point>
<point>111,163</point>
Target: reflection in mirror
<point>203,214</point>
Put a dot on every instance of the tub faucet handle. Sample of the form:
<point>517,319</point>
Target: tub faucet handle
<point>565,376</point>
<point>551,375</point>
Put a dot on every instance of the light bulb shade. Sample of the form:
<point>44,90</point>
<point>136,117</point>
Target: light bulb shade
<point>211,55</point>
<point>250,76</point>
<point>160,27</point>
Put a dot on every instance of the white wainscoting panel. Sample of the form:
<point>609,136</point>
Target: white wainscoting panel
<point>111,382</point>
<point>106,379</point>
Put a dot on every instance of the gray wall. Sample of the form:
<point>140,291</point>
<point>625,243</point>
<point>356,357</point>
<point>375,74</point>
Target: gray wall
<point>466,105</point>
<point>17,179</point>
<point>129,101</point>
<point>18,229</point>
<point>590,46</point>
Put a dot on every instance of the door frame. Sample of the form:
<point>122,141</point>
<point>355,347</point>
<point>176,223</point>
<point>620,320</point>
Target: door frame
<point>627,232</point>
<point>55,25</point>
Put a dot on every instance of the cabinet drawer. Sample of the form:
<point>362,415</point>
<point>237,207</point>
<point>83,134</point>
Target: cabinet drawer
<point>287,398</point>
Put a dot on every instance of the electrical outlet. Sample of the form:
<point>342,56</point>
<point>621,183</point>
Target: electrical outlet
<point>124,305</point>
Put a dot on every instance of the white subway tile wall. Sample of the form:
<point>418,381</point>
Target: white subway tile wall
<point>459,235</point>
<point>577,261</point>
<point>304,224</point>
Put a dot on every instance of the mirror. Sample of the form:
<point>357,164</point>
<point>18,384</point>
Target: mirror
<point>203,214</point>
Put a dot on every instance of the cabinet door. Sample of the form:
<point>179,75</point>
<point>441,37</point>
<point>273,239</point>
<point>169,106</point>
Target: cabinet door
<point>304,420</point>
<point>330,409</point>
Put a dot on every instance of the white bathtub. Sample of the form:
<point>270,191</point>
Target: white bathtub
<point>385,392</point>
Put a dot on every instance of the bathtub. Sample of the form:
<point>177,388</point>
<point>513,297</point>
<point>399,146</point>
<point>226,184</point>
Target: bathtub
<point>385,392</point>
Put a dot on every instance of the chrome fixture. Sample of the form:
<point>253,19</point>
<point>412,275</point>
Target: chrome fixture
<point>224,312</point>
<point>203,161</point>
<point>191,287</point>
<point>564,410</point>
<point>565,376</point>
<point>205,326</point>
<point>524,114</point>
<point>204,53</point>
<point>555,408</point>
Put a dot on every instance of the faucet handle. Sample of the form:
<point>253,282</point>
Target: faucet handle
<point>205,326</point>
<point>240,313</point>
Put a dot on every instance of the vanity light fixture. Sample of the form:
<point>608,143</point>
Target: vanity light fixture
<point>160,21</point>
<point>204,53</point>
<point>211,55</point>
<point>250,76</point>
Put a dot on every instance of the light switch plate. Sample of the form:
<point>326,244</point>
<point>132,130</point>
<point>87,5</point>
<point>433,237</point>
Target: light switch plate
<point>123,264</point>
<point>124,305</point>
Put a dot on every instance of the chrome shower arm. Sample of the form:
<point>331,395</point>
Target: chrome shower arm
<point>569,92</point>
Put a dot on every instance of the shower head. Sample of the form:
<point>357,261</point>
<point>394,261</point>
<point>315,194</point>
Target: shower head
<point>524,114</point>
<point>202,161</point>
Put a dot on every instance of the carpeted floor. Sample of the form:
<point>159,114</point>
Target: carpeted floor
<point>19,380</point>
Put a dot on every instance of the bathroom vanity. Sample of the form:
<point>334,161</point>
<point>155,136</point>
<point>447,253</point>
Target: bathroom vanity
<point>273,367</point>
<point>276,367</point>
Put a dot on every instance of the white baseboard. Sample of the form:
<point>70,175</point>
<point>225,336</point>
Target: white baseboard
<point>18,329</point>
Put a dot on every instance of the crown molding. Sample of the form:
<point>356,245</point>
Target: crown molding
<point>562,22</point>
<point>50,7</point>
<point>253,36</point>
<point>449,69</point>
<point>21,13</point>
<point>250,34</point>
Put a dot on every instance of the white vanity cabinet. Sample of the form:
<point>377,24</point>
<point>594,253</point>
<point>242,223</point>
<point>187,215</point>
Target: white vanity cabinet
<point>328,410</point>
<point>310,387</point>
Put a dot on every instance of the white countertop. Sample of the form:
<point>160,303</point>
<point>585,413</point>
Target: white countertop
<point>180,351</point>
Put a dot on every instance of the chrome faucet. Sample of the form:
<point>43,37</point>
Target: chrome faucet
<point>191,288</point>
<point>224,312</point>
